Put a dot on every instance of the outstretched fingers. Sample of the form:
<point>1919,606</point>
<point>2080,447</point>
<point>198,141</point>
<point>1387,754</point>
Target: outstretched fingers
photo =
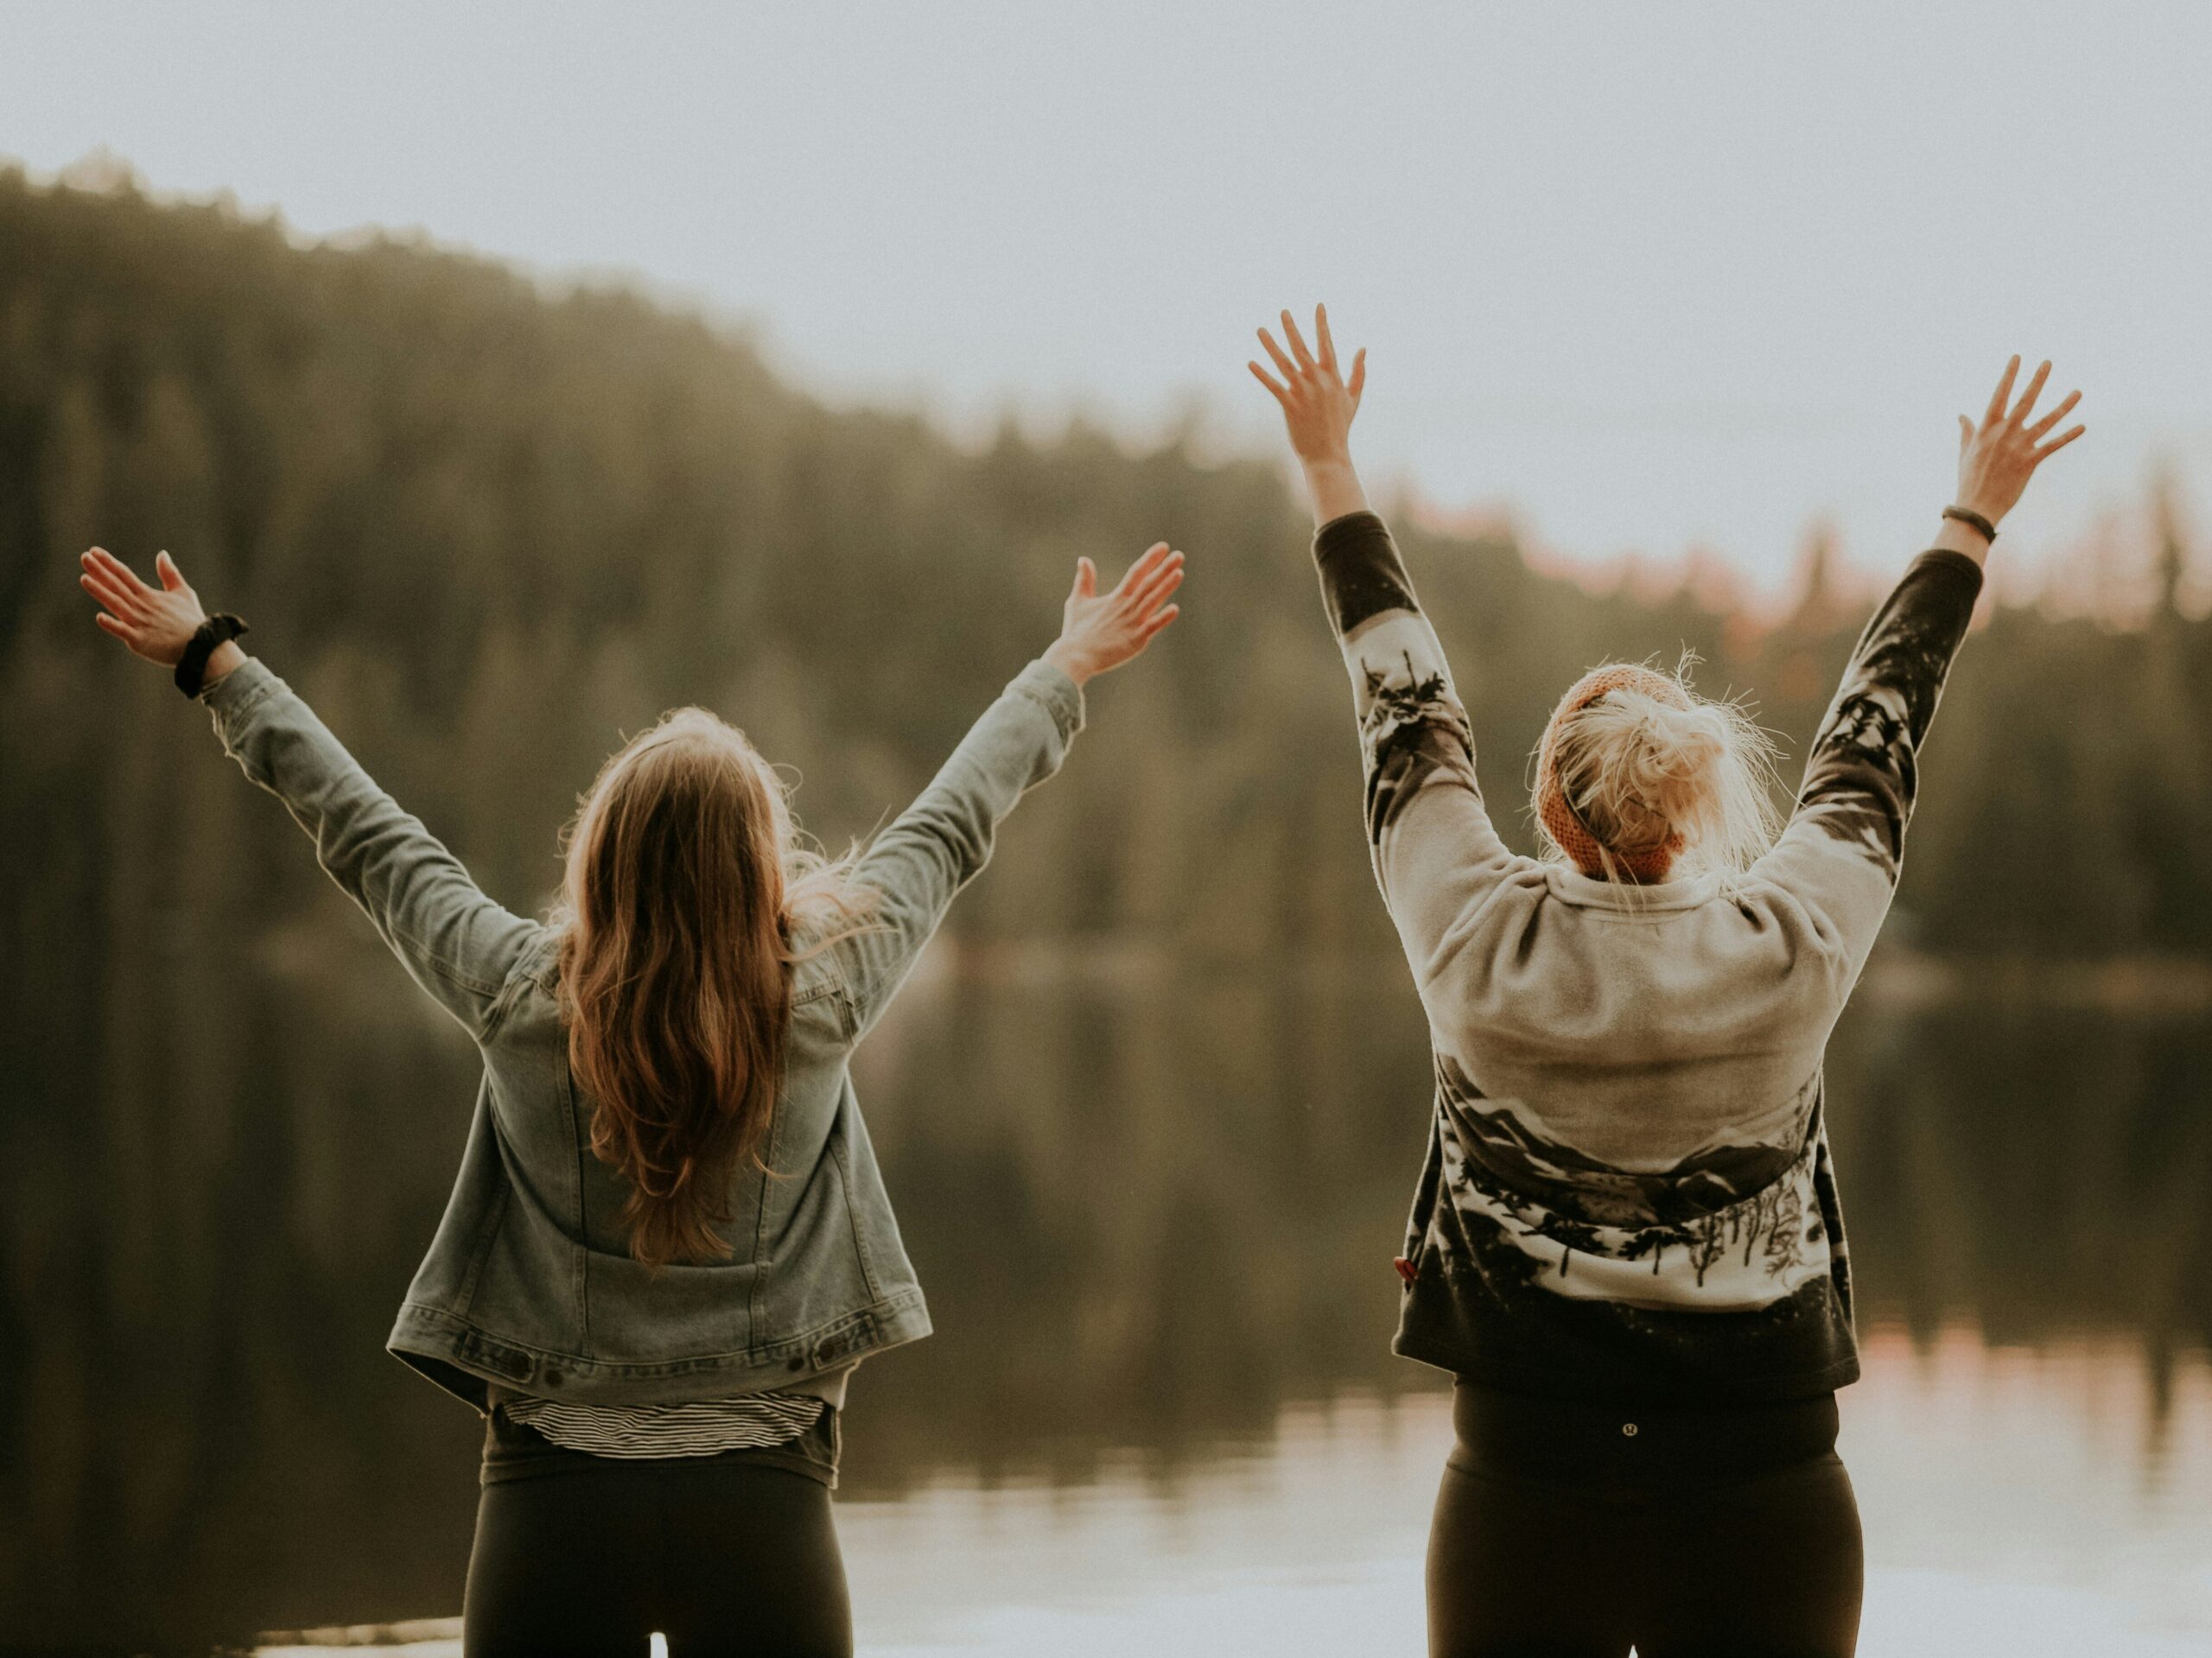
<point>1155,594</point>
<point>107,597</point>
<point>1151,578</point>
<point>1297,366</point>
<point>113,575</point>
<point>1284,366</point>
<point>2058,443</point>
<point>119,614</point>
<point>2023,409</point>
<point>2057,414</point>
<point>1147,563</point>
<point>97,579</point>
<point>1141,593</point>
<point>107,565</point>
<point>2003,395</point>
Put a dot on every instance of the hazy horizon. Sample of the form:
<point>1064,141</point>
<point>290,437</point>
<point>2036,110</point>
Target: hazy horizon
<point>1647,284</point>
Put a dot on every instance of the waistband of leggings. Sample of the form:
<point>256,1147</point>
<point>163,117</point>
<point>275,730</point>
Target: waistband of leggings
<point>1554,1438</point>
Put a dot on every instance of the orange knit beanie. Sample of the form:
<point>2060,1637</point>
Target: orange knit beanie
<point>1560,820</point>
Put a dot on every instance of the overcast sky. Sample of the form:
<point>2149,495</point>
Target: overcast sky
<point>1650,277</point>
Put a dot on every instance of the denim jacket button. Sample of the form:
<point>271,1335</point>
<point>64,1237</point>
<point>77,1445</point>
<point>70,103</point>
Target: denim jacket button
<point>796,1365</point>
<point>553,1378</point>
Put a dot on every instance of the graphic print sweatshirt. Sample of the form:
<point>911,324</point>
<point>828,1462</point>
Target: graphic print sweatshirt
<point>1627,1195</point>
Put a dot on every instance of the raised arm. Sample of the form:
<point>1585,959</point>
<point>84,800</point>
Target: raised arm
<point>916,867</point>
<point>456,943</point>
<point>1843,845</point>
<point>1435,851</point>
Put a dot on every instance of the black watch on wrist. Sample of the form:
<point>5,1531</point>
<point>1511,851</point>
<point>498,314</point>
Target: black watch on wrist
<point>191,666</point>
<point>1973,520</point>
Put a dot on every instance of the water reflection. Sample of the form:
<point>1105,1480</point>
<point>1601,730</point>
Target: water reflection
<point>1156,1225</point>
<point>2004,1514</point>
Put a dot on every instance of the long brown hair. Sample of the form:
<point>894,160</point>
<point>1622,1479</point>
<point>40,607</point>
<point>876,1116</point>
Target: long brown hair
<point>683,889</point>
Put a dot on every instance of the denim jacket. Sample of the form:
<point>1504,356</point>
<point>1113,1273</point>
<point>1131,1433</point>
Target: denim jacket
<point>529,1282</point>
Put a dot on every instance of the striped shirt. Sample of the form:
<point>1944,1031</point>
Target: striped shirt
<point>696,1429</point>
<point>702,1427</point>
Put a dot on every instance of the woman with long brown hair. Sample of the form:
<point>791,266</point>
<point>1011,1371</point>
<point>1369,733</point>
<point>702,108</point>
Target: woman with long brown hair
<point>669,1243</point>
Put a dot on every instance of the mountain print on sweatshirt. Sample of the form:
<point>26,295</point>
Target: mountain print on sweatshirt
<point>1627,1193</point>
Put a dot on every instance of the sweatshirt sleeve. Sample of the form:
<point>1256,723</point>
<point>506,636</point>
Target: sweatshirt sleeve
<point>456,943</point>
<point>1435,852</point>
<point>915,867</point>
<point>1843,845</point>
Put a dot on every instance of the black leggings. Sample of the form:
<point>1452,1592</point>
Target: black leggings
<point>1722,1532</point>
<point>589,1556</point>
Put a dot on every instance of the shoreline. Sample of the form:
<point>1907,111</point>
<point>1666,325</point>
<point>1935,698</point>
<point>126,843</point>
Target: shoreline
<point>2143,985</point>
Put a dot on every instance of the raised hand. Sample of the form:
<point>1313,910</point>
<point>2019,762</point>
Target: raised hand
<point>156,623</point>
<point>1997,458</point>
<point>1318,404</point>
<point>1100,632</point>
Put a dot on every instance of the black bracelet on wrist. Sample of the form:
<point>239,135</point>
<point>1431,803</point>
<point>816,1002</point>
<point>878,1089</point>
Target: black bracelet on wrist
<point>1973,520</point>
<point>191,666</point>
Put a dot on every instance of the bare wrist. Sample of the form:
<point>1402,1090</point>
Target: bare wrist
<point>1061,657</point>
<point>1956,537</point>
<point>1334,485</point>
<point>227,658</point>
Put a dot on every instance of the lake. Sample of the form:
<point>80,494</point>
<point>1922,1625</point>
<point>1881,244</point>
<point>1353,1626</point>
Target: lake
<point>1155,1217</point>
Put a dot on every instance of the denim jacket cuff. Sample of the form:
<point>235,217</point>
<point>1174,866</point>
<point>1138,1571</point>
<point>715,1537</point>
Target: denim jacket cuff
<point>1060,696</point>
<point>238,691</point>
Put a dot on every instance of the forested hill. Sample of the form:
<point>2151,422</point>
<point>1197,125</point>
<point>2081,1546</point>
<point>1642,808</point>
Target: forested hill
<point>485,530</point>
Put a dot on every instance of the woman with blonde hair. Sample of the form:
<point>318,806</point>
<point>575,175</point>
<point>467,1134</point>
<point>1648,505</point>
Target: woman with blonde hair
<point>669,1243</point>
<point>1626,1244</point>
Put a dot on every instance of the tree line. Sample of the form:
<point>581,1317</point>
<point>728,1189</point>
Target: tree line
<point>488,528</point>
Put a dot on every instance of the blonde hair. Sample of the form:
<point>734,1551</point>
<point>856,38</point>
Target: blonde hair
<point>1655,780</point>
<point>684,889</point>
